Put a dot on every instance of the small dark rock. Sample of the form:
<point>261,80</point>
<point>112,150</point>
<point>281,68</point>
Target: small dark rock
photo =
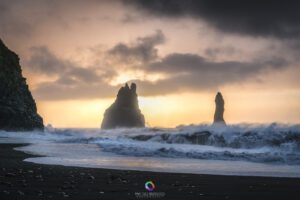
<point>10,174</point>
<point>40,193</point>
<point>6,192</point>
<point>64,194</point>
<point>39,176</point>
<point>7,184</point>
<point>91,177</point>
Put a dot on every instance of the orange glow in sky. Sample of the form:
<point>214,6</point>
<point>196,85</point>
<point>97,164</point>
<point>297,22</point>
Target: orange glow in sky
<point>76,56</point>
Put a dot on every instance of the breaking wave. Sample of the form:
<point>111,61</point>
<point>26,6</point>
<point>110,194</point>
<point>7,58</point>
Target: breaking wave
<point>273,143</point>
<point>235,136</point>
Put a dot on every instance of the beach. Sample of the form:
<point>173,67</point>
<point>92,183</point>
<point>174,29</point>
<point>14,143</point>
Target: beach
<point>24,180</point>
<point>149,99</point>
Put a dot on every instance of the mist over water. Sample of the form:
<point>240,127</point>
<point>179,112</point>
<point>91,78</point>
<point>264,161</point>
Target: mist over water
<point>241,149</point>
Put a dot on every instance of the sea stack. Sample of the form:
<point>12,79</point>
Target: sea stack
<point>218,117</point>
<point>124,112</point>
<point>18,110</point>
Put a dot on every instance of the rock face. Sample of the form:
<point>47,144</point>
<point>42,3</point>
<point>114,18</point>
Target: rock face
<point>124,112</point>
<point>218,117</point>
<point>17,107</point>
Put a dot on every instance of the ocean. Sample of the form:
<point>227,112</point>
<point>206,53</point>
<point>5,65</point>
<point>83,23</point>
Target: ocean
<point>237,149</point>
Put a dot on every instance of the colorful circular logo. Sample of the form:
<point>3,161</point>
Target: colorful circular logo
<point>149,185</point>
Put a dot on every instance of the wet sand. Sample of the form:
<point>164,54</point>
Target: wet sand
<point>23,180</point>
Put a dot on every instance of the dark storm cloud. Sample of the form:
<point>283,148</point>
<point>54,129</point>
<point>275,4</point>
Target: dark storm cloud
<point>266,18</point>
<point>143,50</point>
<point>214,52</point>
<point>193,72</point>
<point>190,63</point>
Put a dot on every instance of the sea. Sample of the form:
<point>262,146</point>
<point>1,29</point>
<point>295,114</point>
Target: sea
<point>236,149</point>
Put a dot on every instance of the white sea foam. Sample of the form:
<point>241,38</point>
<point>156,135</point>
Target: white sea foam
<point>276,147</point>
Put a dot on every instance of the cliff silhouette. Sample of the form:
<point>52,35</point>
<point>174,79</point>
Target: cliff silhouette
<point>124,112</point>
<point>17,107</point>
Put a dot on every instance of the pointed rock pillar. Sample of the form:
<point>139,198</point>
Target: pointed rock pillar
<point>219,112</point>
<point>124,112</point>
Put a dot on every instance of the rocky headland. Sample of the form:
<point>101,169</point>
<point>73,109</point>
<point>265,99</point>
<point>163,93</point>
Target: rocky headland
<point>18,110</point>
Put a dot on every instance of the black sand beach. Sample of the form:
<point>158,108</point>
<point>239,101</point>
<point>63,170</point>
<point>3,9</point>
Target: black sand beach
<point>23,180</point>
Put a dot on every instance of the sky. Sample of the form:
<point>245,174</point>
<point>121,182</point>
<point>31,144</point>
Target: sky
<point>76,54</point>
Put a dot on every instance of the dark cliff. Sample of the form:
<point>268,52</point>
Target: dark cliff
<point>18,110</point>
<point>124,112</point>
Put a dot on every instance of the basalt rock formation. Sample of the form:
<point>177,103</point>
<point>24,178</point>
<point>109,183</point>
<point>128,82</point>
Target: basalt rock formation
<point>18,110</point>
<point>124,112</point>
<point>218,117</point>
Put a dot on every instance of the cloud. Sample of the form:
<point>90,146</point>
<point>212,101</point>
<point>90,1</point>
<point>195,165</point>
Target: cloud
<point>53,91</point>
<point>255,18</point>
<point>182,72</point>
<point>10,23</point>
<point>21,18</point>
<point>43,61</point>
<point>25,19</point>
<point>143,50</point>
<point>192,72</point>
<point>80,24</point>
<point>217,51</point>
<point>190,63</point>
<point>71,81</point>
<point>129,18</point>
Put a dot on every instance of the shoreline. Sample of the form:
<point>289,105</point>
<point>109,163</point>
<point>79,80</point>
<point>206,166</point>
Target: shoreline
<point>26,180</point>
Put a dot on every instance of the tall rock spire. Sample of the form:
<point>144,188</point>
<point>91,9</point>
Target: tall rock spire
<point>124,112</point>
<point>218,117</point>
<point>18,110</point>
